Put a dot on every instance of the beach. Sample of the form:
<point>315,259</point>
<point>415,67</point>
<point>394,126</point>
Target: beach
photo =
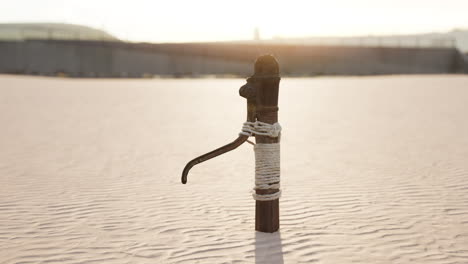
<point>373,170</point>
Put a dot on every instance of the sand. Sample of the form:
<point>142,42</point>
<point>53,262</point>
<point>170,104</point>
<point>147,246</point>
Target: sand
<point>374,170</point>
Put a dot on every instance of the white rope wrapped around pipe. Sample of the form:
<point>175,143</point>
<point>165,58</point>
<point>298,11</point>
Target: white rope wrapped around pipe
<point>260,128</point>
<point>267,171</point>
<point>267,159</point>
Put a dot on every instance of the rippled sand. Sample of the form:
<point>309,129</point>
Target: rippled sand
<point>374,170</point>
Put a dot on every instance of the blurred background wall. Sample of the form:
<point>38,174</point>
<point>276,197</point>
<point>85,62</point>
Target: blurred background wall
<point>77,51</point>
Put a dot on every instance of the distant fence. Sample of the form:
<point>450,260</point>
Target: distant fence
<point>371,41</point>
<point>120,59</point>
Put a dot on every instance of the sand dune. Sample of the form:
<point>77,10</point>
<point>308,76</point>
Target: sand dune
<point>374,170</point>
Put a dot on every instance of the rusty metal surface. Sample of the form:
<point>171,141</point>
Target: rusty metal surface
<point>266,80</point>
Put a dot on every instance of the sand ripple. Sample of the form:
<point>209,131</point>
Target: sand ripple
<point>374,170</point>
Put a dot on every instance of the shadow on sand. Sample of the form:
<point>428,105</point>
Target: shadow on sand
<point>268,248</point>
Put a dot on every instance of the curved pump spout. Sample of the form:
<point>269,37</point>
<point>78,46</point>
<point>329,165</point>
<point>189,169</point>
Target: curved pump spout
<point>247,91</point>
<point>219,151</point>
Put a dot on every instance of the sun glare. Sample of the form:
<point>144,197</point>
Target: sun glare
<point>210,20</point>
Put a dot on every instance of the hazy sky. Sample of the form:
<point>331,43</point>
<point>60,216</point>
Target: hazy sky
<point>208,20</point>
